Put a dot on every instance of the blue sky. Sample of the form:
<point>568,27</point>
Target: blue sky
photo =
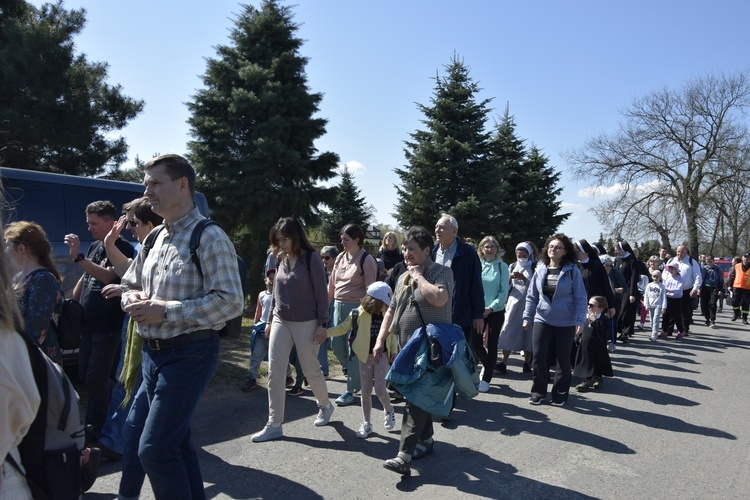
<point>564,68</point>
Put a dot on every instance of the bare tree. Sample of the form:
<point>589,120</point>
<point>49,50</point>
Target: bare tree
<point>677,137</point>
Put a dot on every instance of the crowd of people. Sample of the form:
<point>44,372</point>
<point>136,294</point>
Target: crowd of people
<point>430,310</point>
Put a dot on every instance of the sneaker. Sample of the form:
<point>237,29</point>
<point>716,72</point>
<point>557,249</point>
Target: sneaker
<point>268,433</point>
<point>653,338</point>
<point>598,383</point>
<point>735,318</point>
<point>364,430</point>
<point>324,415</point>
<point>484,386</point>
<point>584,386</point>
<point>526,368</point>
<point>559,404</point>
<point>642,326</point>
<point>713,324</point>
<point>708,323</point>
<point>345,399</point>
<point>535,400</point>
<point>389,422</point>
<point>744,321</point>
<point>663,335</point>
<point>502,368</point>
<point>249,385</point>
<point>679,336</point>
<point>289,381</point>
<point>295,391</point>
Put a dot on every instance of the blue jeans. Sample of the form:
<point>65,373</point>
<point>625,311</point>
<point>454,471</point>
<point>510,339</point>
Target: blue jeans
<point>323,356</point>
<point>174,380</point>
<point>111,435</point>
<point>133,474</point>
<point>341,311</point>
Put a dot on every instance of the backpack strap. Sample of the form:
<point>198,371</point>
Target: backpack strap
<point>195,241</point>
<point>148,243</point>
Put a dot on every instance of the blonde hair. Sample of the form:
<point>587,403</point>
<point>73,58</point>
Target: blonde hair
<point>385,236</point>
<point>485,240</point>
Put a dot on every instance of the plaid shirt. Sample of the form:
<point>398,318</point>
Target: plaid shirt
<point>168,273</point>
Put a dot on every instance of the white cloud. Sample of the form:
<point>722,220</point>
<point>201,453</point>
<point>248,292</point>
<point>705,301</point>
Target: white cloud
<point>355,167</point>
<point>617,189</point>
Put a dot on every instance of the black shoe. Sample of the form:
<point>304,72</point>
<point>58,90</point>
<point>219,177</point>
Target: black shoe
<point>623,338</point>
<point>398,465</point>
<point>295,391</point>
<point>526,368</point>
<point>584,386</point>
<point>708,323</point>
<point>107,452</point>
<point>502,369</point>
<point>598,382</point>
<point>735,318</point>
<point>289,381</point>
<point>744,321</point>
<point>535,400</point>
<point>249,385</point>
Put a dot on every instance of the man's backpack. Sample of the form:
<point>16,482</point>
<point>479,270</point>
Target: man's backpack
<point>70,324</point>
<point>232,327</point>
<point>51,450</point>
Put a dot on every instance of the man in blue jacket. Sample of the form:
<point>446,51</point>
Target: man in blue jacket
<point>462,258</point>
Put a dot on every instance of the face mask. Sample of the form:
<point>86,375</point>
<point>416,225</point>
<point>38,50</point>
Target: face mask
<point>584,261</point>
<point>523,260</point>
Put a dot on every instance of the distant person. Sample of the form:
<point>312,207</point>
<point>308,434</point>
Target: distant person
<point>260,320</point>
<point>37,286</point>
<point>592,358</point>
<point>631,296</point>
<point>100,341</point>
<point>672,312</point>
<point>328,253</point>
<point>690,270</point>
<point>655,299</point>
<point>712,288</point>
<point>738,283</point>
<point>389,251</point>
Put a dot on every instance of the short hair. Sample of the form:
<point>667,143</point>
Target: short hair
<point>451,220</point>
<point>141,208</point>
<point>354,232</point>
<point>709,255</point>
<point>292,228</point>
<point>177,167</point>
<point>104,209</point>
<point>329,250</point>
<point>570,250</point>
<point>600,301</point>
<point>421,236</point>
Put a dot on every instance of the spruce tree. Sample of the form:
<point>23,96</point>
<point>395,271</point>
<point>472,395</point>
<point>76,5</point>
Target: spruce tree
<point>448,166</point>
<point>254,131</point>
<point>347,207</point>
<point>57,113</point>
<point>543,217</point>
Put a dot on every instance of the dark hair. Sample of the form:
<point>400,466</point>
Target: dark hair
<point>291,228</point>
<point>421,236</point>
<point>33,237</point>
<point>104,209</point>
<point>600,301</point>
<point>141,208</point>
<point>177,167</point>
<point>354,232</point>
<point>570,250</point>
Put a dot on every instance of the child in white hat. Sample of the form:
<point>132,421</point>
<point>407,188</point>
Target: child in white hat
<point>365,324</point>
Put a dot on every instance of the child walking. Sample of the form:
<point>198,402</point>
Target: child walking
<point>672,312</point>
<point>655,299</point>
<point>365,325</point>
<point>592,357</point>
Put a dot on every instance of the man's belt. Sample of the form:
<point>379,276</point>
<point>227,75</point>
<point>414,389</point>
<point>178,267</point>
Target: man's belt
<point>180,340</point>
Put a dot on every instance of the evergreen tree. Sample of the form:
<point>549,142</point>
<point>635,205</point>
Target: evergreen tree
<point>449,169</point>
<point>347,207</point>
<point>509,154</point>
<point>254,131</point>
<point>542,193</point>
<point>56,112</point>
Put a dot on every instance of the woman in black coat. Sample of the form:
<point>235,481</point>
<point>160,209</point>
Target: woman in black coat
<point>631,296</point>
<point>594,275</point>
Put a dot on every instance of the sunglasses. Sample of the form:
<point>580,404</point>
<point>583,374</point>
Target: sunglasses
<point>591,306</point>
<point>326,257</point>
<point>133,223</point>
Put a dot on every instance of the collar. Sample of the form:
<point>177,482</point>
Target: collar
<point>177,226</point>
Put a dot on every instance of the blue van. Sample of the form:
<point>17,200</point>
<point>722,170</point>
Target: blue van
<point>58,203</point>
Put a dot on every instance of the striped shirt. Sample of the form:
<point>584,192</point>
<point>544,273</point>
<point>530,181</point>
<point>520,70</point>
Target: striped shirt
<point>169,274</point>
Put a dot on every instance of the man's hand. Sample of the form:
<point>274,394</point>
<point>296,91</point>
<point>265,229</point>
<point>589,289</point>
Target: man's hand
<point>112,290</point>
<point>114,233</point>
<point>479,325</point>
<point>74,244</point>
<point>694,292</point>
<point>147,312</point>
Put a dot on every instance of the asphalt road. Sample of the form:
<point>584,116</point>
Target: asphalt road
<point>672,423</point>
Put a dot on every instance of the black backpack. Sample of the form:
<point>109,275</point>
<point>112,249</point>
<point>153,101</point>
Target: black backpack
<point>232,327</point>
<point>51,450</point>
<point>70,324</point>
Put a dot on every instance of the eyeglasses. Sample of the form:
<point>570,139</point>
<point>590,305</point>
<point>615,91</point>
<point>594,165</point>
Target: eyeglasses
<point>133,223</point>
<point>326,257</point>
<point>591,306</point>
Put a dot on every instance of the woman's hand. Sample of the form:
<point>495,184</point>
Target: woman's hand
<point>526,325</point>
<point>267,332</point>
<point>114,233</point>
<point>487,311</point>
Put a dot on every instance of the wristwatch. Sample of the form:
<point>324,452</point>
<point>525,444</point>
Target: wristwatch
<point>79,258</point>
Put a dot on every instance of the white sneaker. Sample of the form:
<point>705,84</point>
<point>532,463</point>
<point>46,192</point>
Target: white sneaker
<point>364,430</point>
<point>390,419</point>
<point>324,415</point>
<point>484,386</point>
<point>268,433</point>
